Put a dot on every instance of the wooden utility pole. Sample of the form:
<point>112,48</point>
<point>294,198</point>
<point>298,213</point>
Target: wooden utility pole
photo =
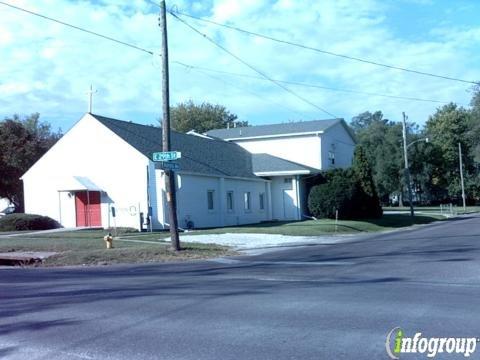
<point>461,177</point>
<point>166,146</point>
<point>407,170</point>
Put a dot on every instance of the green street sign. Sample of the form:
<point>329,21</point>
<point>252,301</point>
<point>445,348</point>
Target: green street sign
<point>166,155</point>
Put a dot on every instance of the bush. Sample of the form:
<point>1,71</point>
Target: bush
<point>16,222</point>
<point>335,194</point>
<point>343,191</point>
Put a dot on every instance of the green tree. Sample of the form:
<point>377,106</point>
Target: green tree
<point>23,142</point>
<point>367,198</point>
<point>201,118</point>
<point>448,127</point>
<point>381,142</point>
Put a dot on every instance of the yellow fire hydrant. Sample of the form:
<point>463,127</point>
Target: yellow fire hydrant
<point>108,240</point>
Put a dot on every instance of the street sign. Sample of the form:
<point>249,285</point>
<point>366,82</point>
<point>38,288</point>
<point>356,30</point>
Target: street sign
<point>166,155</point>
<point>164,165</point>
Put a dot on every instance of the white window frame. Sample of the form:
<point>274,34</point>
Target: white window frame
<point>261,201</point>
<point>212,198</point>
<point>247,201</point>
<point>233,201</point>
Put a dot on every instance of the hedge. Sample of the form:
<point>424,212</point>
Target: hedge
<point>17,222</point>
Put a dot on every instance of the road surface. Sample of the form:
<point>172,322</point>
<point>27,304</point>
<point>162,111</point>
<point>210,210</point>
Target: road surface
<point>314,302</point>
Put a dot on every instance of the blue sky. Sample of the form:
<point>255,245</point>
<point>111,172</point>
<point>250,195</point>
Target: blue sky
<point>48,68</point>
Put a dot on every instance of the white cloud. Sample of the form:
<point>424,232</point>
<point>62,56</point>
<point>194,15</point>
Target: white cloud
<point>48,68</point>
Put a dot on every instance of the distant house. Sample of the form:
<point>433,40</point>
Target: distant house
<point>101,173</point>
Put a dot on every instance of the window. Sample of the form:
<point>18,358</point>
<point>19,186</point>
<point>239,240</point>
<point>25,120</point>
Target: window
<point>262,201</point>
<point>210,203</point>
<point>247,201</point>
<point>287,181</point>
<point>331,157</point>
<point>230,201</point>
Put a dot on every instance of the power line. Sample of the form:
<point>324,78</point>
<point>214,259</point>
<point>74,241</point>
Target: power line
<point>78,28</point>
<point>286,42</point>
<point>314,85</point>
<point>252,67</point>
<point>239,87</point>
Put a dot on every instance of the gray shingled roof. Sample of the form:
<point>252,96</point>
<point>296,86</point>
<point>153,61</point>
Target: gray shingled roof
<point>199,155</point>
<point>264,163</point>
<point>275,129</point>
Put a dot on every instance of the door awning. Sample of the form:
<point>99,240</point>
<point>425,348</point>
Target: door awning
<point>78,183</point>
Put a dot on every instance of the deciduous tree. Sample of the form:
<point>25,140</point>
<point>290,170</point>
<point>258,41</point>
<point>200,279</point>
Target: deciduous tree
<point>22,142</point>
<point>201,118</point>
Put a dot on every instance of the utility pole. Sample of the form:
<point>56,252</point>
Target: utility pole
<point>407,171</point>
<point>461,176</point>
<point>166,146</point>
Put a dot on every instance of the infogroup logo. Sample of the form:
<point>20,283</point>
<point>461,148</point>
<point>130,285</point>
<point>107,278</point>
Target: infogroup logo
<point>398,343</point>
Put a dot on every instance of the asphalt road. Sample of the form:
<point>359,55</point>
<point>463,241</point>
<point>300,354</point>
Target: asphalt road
<point>314,302</point>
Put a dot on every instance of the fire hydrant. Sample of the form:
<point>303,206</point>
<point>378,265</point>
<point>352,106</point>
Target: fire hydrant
<point>108,240</point>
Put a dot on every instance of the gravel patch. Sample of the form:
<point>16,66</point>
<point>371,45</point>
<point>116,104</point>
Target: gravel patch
<point>253,241</point>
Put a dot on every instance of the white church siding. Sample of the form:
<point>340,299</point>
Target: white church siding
<point>304,150</point>
<point>285,198</point>
<point>192,201</point>
<point>337,141</point>
<point>89,150</point>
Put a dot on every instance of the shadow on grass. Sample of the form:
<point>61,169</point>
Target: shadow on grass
<point>401,220</point>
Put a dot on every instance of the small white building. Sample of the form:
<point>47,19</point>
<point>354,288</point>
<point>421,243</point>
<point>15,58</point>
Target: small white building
<point>100,174</point>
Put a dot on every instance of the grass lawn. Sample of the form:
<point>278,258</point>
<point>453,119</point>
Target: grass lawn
<point>308,227</point>
<point>86,247</point>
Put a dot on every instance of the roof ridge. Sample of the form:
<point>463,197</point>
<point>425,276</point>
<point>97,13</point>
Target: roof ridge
<point>276,124</point>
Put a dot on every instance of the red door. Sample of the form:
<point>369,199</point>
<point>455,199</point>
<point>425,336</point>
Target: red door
<point>88,208</point>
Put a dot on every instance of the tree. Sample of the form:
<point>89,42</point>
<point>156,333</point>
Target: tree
<point>351,192</point>
<point>201,118</point>
<point>367,198</point>
<point>23,142</point>
<point>381,142</point>
<point>447,128</point>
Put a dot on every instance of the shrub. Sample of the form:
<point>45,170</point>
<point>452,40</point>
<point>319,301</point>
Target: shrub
<point>16,222</point>
<point>343,191</point>
<point>335,194</point>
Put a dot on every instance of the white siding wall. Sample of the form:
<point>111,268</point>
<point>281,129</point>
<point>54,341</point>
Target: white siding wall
<point>300,149</point>
<point>285,200</point>
<point>337,139</point>
<point>192,200</point>
<point>90,150</point>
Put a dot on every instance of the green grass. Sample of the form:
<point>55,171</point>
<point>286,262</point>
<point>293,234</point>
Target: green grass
<point>86,247</point>
<point>309,227</point>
